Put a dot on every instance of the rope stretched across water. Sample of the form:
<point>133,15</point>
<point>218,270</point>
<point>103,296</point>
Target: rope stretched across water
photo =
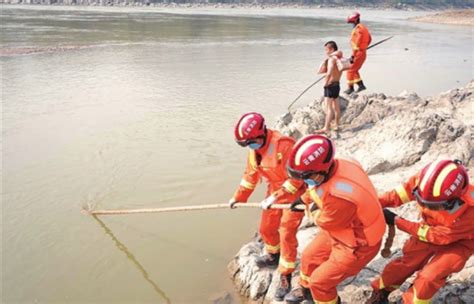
<point>182,208</point>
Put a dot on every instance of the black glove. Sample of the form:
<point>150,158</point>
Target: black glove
<point>351,60</point>
<point>232,202</point>
<point>389,217</point>
<point>294,205</point>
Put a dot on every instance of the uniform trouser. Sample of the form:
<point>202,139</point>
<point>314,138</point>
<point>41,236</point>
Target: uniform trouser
<point>325,263</point>
<point>353,75</point>
<point>435,263</point>
<point>278,230</point>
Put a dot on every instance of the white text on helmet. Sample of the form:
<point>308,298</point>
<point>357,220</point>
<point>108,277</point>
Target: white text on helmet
<point>314,156</point>
<point>454,186</point>
<point>251,126</point>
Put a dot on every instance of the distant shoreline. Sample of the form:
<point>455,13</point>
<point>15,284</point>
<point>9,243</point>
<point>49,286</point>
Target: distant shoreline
<point>426,14</point>
<point>456,17</point>
<point>262,6</point>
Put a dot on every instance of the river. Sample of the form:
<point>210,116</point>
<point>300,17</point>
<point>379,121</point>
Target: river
<point>134,107</point>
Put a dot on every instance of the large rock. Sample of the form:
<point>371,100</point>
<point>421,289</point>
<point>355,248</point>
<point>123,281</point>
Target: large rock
<point>392,137</point>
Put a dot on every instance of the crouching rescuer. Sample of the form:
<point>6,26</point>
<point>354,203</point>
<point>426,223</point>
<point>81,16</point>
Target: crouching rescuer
<point>441,243</point>
<point>345,207</point>
<point>267,158</point>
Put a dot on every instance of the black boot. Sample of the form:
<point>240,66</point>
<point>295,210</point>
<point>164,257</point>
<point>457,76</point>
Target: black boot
<point>267,260</point>
<point>298,295</point>
<point>284,287</point>
<point>361,86</point>
<point>378,297</point>
<point>349,90</point>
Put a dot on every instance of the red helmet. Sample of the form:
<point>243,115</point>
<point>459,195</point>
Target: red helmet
<point>311,154</point>
<point>251,126</point>
<point>353,18</point>
<point>440,183</point>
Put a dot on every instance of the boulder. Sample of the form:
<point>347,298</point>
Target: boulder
<point>393,138</point>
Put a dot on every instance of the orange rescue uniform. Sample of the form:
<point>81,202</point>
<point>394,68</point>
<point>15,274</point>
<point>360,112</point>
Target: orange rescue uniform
<point>352,226</point>
<point>277,227</point>
<point>360,41</point>
<point>439,245</point>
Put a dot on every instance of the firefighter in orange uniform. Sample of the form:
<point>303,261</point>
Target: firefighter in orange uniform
<point>267,158</point>
<point>444,240</point>
<point>347,211</point>
<point>360,40</point>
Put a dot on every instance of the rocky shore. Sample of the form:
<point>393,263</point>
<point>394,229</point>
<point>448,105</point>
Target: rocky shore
<point>393,137</point>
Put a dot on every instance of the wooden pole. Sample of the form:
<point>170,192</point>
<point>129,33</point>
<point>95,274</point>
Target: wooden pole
<point>386,251</point>
<point>182,208</point>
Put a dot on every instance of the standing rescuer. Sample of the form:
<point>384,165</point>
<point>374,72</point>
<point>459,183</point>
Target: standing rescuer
<point>346,209</point>
<point>360,40</point>
<point>267,158</point>
<point>441,243</point>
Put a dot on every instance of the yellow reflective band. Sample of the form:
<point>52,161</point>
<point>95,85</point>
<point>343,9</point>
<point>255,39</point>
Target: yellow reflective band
<point>286,264</point>
<point>289,187</point>
<point>381,283</point>
<point>422,232</point>
<point>327,302</point>
<point>441,177</point>
<point>272,249</point>
<point>354,81</point>
<point>253,160</point>
<point>402,194</point>
<point>315,197</point>
<point>428,174</point>
<point>420,301</point>
<point>247,184</point>
<point>304,277</point>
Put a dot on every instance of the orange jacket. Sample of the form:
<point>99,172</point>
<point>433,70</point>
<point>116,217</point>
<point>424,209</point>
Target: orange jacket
<point>269,163</point>
<point>349,209</point>
<point>436,227</point>
<point>360,38</point>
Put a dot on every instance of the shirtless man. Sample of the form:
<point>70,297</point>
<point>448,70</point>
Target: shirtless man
<point>331,86</point>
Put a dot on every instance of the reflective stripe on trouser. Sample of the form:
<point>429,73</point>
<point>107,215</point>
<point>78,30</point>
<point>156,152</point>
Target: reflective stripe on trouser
<point>269,224</point>
<point>353,75</point>
<point>435,263</point>
<point>290,221</point>
<point>328,263</point>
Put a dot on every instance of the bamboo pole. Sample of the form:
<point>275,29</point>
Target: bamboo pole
<point>182,208</point>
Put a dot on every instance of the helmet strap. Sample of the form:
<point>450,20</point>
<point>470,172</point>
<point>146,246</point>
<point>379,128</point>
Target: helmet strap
<point>329,173</point>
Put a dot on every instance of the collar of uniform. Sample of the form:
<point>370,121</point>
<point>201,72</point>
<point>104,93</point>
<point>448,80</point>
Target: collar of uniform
<point>268,142</point>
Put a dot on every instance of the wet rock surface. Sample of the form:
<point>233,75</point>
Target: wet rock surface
<point>393,138</point>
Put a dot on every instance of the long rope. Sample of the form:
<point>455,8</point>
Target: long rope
<point>182,208</point>
<point>133,259</point>
<point>306,90</point>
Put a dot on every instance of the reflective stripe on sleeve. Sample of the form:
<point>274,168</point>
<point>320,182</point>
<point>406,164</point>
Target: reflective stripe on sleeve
<point>289,187</point>
<point>402,194</point>
<point>422,232</point>
<point>247,184</point>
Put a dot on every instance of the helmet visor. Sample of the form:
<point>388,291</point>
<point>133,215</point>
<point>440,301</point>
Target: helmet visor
<point>245,143</point>
<point>432,205</point>
<point>301,174</point>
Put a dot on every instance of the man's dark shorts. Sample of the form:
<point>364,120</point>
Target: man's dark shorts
<point>332,90</point>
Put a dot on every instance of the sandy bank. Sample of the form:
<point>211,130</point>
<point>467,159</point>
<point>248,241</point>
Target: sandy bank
<point>457,17</point>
